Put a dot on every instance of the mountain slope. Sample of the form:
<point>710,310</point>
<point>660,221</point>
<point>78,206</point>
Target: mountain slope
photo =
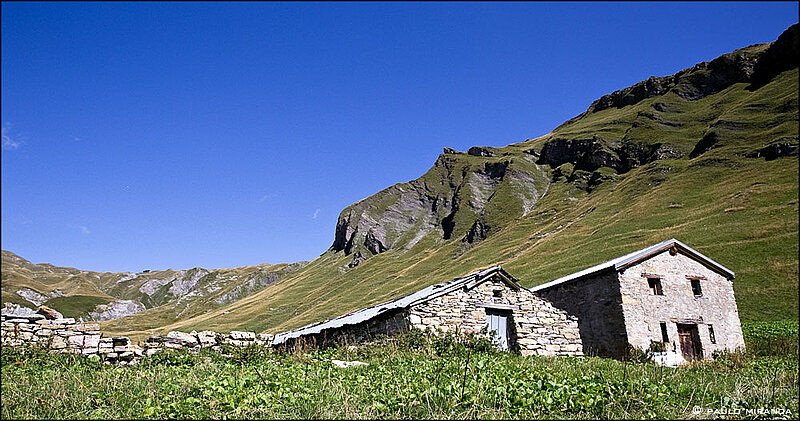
<point>163,296</point>
<point>708,156</point>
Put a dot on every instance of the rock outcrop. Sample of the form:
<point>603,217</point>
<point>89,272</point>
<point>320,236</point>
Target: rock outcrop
<point>116,309</point>
<point>697,82</point>
<point>779,57</point>
<point>452,200</point>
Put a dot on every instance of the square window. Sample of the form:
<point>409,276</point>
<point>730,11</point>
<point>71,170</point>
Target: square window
<point>655,286</point>
<point>711,334</point>
<point>664,336</point>
<point>497,293</point>
<point>696,290</point>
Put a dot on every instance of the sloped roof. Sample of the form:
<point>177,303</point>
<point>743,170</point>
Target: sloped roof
<point>406,301</point>
<point>630,259</point>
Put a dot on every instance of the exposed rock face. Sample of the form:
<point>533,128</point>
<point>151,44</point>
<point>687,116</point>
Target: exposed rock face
<point>34,297</point>
<point>708,141</point>
<point>184,285</point>
<point>480,151</point>
<point>14,310</point>
<point>116,309</point>
<point>151,286</point>
<point>248,287</point>
<point>446,202</point>
<point>586,154</point>
<point>477,232</point>
<point>780,56</point>
<point>595,152</point>
<point>779,149</point>
<point>703,79</point>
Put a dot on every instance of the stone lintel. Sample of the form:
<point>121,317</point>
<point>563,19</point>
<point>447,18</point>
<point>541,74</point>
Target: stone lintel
<point>498,306</point>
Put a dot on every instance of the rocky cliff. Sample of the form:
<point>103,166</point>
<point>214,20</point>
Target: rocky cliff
<point>464,196</point>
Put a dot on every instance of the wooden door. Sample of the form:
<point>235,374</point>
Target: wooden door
<point>690,342</point>
<point>498,327</point>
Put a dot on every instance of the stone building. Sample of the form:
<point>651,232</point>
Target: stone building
<point>489,302</point>
<point>667,297</point>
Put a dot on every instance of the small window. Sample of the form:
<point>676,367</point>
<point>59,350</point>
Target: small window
<point>664,336</point>
<point>655,286</point>
<point>498,293</point>
<point>711,334</point>
<point>696,290</point>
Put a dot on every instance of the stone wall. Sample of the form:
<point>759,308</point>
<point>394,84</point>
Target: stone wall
<point>65,335</point>
<point>644,311</point>
<point>194,341</point>
<point>597,304</point>
<point>537,328</point>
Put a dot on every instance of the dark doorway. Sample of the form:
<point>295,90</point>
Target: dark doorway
<point>690,342</point>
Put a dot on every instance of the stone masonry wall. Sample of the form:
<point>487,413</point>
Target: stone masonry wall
<point>597,304</point>
<point>65,335</point>
<point>644,311</point>
<point>538,327</point>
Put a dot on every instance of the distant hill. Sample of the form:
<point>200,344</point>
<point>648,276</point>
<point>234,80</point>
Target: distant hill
<point>708,156</point>
<point>160,296</point>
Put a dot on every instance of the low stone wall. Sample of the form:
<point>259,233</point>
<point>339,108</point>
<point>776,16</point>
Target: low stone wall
<point>205,339</point>
<point>65,335</point>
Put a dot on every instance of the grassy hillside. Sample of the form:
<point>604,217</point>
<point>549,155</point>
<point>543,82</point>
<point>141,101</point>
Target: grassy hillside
<point>705,184</point>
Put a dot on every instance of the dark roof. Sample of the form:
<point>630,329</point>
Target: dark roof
<point>406,301</point>
<point>630,259</point>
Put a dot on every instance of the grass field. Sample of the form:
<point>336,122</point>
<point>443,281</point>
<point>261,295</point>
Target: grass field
<point>410,376</point>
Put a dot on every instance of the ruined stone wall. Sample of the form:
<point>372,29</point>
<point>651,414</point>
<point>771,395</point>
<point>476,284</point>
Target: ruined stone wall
<point>65,335</point>
<point>538,327</point>
<point>205,339</point>
<point>644,311</point>
<point>597,304</point>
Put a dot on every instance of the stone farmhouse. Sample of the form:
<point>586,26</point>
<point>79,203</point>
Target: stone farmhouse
<point>487,302</point>
<point>667,298</point>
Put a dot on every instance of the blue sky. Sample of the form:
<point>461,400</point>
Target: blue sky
<point>173,135</point>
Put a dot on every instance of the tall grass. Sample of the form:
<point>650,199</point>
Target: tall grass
<point>409,376</point>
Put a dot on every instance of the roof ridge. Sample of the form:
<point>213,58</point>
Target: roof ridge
<point>621,262</point>
<point>404,301</point>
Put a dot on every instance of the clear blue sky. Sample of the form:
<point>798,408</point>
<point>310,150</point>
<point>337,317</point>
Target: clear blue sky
<point>172,135</point>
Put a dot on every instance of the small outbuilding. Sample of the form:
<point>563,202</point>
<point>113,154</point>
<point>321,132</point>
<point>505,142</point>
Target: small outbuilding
<point>667,298</point>
<point>489,302</point>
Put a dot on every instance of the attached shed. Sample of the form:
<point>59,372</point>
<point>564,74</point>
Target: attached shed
<point>489,302</point>
<point>666,297</point>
